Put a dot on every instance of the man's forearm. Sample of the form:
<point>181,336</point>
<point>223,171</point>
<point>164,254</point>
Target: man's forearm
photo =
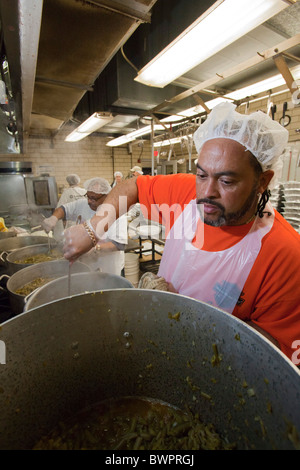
<point>59,213</point>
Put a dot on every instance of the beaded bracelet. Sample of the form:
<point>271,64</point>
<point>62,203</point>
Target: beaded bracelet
<point>90,233</point>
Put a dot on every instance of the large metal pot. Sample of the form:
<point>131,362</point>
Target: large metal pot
<point>80,350</point>
<point>48,269</point>
<point>80,283</point>
<point>14,243</point>
<point>14,258</point>
<point>5,235</point>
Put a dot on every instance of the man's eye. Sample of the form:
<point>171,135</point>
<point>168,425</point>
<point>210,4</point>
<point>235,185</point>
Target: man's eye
<point>227,182</point>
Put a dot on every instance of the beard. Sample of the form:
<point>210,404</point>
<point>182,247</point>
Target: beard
<point>229,218</point>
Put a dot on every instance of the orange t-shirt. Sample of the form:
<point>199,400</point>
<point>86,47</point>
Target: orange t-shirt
<point>271,294</point>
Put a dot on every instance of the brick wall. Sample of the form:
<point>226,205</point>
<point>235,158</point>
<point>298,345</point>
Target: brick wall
<point>88,158</point>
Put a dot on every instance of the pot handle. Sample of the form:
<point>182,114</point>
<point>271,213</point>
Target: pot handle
<point>29,295</point>
<point>3,257</point>
<point>3,281</point>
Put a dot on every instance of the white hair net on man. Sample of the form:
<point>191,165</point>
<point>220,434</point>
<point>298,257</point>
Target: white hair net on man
<point>73,179</point>
<point>97,185</point>
<point>118,173</point>
<point>257,132</point>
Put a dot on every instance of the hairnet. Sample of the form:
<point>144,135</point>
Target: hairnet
<point>118,173</point>
<point>97,185</point>
<point>263,137</point>
<point>73,179</point>
<point>137,169</point>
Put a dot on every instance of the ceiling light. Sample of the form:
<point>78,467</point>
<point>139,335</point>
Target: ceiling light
<point>124,139</point>
<point>75,136</point>
<point>242,93</point>
<point>222,24</point>
<point>172,141</point>
<point>263,85</point>
<point>92,124</point>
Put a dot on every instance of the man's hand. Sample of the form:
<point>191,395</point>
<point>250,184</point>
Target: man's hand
<point>49,223</point>
<point>76,242</point>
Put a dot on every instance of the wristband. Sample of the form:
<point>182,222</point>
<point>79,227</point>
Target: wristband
<point>90,233</point>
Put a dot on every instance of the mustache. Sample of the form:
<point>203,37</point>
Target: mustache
<point>212,203</point>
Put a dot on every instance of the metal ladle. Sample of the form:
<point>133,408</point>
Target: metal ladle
<point>49,243</point>
<point>78,221</point>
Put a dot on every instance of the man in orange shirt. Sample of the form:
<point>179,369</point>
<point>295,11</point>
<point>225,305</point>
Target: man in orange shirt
<point>226,245</point>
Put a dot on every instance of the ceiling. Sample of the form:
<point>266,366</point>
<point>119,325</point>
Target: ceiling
<point>70,58</point>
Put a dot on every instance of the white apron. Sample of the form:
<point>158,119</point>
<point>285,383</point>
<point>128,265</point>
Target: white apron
<point>216,278</point>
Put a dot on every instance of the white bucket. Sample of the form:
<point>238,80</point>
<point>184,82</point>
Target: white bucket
<point>132,268</point>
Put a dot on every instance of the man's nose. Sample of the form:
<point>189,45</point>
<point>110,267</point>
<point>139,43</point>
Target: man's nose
<point>210,189</point>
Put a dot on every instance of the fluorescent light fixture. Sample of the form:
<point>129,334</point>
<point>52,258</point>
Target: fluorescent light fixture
<point>92,124</point>
<point>124,139</point>
<point>263,85</point>
<point>259,87</point>
<point>222,24</point>
<point>75,136</point>
<point>173,140</point>
<point>242,93</point>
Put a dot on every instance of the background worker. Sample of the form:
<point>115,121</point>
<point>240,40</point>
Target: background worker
<point>73,192</point>
<point>226,245</point>
<point>135,211</point>
<point>136,171</point>
<point>108,253</point>
<point>118,177</point>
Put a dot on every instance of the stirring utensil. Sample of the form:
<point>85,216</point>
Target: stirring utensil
<point>78,221</point>
<point>49,243</point>
<point>69,280</point>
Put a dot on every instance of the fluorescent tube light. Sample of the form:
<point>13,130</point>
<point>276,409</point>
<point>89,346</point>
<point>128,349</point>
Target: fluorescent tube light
<point>173,140</point>
<point>92,124</point>
<point>76,136</point>
<point>124,139</point>
<point>258,87</point>
<point>263,85</point>
<point>222,24</point>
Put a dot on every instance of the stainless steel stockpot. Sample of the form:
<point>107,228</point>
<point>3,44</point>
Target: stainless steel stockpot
<point>77,351</point>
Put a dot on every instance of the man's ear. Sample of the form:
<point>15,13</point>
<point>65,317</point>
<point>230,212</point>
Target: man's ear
<point>265,179</point>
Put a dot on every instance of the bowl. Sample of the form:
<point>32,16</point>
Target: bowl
<point>148,231</point>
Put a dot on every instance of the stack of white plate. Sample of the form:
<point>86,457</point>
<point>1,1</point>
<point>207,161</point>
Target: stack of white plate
<point>291,203</point>
<point>148,231</point>
<point>277,199</point>
<point>132,268</point>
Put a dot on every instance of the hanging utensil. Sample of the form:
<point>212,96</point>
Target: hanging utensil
<point>170,152</point>
<point>269,104</point>
<point>273,111</point>
<point>190,150</point>
<point>285,118</point>
<point>158,153</point>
